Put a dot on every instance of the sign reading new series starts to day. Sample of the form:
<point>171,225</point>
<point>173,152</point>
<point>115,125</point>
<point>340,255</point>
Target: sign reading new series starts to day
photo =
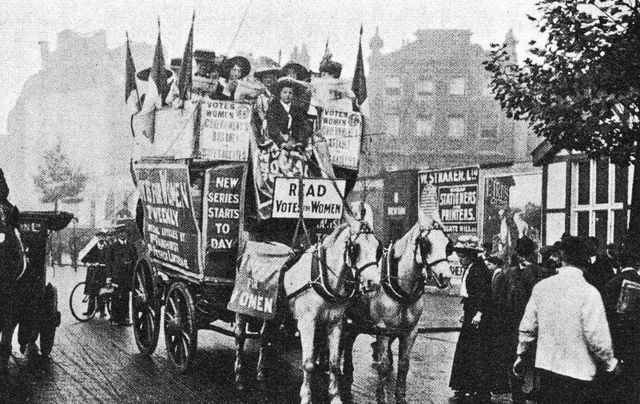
<point>322,198</point>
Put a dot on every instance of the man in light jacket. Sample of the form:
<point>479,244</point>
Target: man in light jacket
<point>566,325</point>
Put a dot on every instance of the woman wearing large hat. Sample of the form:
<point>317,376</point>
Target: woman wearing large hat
<point>470,374</point>
<point>286,123</point>
<point>206,80</point>
<point>232,70</point>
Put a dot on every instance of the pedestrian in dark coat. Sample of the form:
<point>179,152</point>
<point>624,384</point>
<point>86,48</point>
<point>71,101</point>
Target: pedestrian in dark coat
<point>625,330</point>
<point>122,258</point>
<point>520,280</point>
<point>603,267</point>
<point>501,359</point>
<point>470,374</point>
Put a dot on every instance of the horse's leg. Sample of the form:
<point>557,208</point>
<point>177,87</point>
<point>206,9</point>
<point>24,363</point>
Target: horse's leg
<point>348,339</point>
<point>307,327</point>
<point>334,332</point>
<point>404,356</point>
<point>8,325</point>
<point>240,337</point>
<point>383,367</point>
<point>267,334</point>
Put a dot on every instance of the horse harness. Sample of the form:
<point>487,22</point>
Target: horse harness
<point>320,272</point>
<point>389,272</point>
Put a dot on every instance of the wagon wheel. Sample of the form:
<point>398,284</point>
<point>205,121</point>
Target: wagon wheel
<point>79,303</point>
<point>50,320</point>
<point>180,332</point>
<point>146,310</point>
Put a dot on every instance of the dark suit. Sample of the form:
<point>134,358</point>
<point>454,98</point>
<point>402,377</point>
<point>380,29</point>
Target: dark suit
<point>625,333</point>
<point>501,359</point>
<point>121,260</point>
<point>278,123</point>
<point>601,271</point>
<point>470,371</point>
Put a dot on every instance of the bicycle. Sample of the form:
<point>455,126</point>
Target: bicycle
<point>85,306</point>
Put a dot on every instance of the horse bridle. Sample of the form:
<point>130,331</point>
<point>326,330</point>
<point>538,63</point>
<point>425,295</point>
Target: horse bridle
<point>420,247</point>
<point>352,250</point>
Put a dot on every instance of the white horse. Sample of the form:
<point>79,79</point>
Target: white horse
<point>317,288</point>
<point>393,307</point>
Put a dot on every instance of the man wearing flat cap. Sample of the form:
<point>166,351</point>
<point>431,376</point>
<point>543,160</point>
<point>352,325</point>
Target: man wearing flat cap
<point>624,323</point>
<point>564,332</point>
<point>470,374</point>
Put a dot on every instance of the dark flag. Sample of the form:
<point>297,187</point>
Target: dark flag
<point>157,86</point>
<point>359,84</point>
<point>130,86</point>
<point>184,75</point>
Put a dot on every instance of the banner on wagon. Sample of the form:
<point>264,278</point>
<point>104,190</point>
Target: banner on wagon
<point>225,128</point>
<point>170,230</point>
<point>321,198</point>
<point>343,133</point>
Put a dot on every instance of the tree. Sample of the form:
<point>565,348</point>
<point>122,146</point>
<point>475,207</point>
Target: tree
<point>58,179</point>
<point>580,89</point>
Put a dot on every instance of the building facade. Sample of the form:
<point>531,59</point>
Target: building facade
<point>77,100</point>
<point>432,106</point>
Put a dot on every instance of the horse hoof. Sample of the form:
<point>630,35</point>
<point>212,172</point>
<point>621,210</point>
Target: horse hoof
<point>240,386</point>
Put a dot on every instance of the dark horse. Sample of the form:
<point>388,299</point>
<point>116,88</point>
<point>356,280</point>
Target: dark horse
<point>12,267</point>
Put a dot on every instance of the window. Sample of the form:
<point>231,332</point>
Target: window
<point>556,186</point>
<point>456,86</point>
<point>424,126</point>
<point>425,87</point>
<point>554,227</point>
<point>597,195</point>
<point>489,132</point>
<point>392,86</point>
<point>456,126</point>
<point>393,125</point>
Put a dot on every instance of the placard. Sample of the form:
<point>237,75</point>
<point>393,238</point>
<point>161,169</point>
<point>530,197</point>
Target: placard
<point>225,128</point>
<point>170,229</point>
<point>457,198</point>
<point>224,187</point>
<point>343,133</point>
<point>321,198</point>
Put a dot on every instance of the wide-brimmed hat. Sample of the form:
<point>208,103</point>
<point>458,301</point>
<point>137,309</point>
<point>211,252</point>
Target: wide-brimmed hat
<point>242,62</point>
<point>300,71</point>
<point>297,86</point>
<point>265,66</point>
<point>334,69</point>
<point>144,74</point>
<point>467,244</point>
<point>204,56</point>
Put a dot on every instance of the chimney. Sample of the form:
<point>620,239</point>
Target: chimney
<point>44,54</point>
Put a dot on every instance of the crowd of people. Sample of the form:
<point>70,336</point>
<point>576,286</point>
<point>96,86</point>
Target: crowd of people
<point>560,325</point>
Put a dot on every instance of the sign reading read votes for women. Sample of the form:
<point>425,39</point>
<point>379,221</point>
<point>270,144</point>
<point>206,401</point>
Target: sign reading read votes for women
<point>321,199</point>
<point>169,225</point>
<point>225,128</point>
<point>457,197</point>
<point>343,132</point>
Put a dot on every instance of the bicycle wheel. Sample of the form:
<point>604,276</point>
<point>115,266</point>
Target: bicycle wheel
<point>79,304</point>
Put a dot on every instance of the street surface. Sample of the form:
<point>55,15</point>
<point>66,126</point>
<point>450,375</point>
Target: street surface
<point>96,362</point>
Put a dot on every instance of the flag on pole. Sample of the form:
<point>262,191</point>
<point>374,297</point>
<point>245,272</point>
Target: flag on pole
<point>359,84</point>
<point>157,84</point>
<point>186,68</point>
<point>131,96</point>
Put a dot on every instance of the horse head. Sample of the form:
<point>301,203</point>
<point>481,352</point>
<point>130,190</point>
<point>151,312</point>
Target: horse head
<point>432,250</point>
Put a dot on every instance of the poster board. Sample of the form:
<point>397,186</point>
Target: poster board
<point>321,198</point>
<point>225,130</point>
<point>170,230</point>
<point>343,133</point>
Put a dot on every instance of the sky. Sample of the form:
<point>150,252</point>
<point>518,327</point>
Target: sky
<point>263,27</point>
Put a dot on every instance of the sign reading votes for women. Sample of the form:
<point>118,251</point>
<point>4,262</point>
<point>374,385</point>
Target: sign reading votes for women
<point>457,197</point>
<point>321,198</point>
<point>225,128</point>
<point>343,132</point>
<point>169,225</point>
